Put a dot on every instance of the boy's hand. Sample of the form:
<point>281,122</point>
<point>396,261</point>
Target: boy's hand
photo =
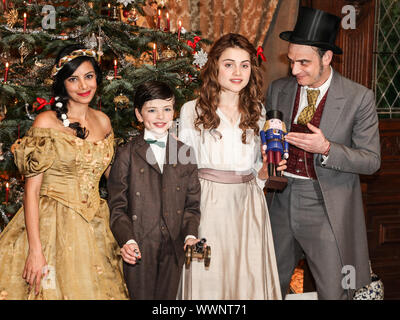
<point>131,253</point>
<point>192,242</point>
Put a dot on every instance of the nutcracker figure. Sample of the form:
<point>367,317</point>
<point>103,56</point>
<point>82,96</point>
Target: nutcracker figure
<point>276,148</point>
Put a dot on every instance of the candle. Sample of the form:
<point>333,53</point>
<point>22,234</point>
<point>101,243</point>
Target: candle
<point>154,54</point>
<point>109,9</point>
<point>6,72</point>
<point>134,16</point>
<point>168,23</point>
<point>179,29</point>
<point>4,6</point>
<point>7,192</point>
<point>115,68</point>
<point>159,19</point>
<point>24,21</point>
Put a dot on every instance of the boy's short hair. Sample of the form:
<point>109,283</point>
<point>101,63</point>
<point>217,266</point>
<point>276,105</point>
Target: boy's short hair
<point>152,90</point>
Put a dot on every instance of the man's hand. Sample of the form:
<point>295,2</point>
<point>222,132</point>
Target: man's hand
<point>314,142</point>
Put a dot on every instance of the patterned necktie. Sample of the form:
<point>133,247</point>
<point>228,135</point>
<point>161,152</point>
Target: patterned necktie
<point>161,144</point>
<point>308,112</point>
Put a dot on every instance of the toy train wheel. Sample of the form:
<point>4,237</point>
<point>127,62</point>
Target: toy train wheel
<point>207,256</point>
<point>188,256</point>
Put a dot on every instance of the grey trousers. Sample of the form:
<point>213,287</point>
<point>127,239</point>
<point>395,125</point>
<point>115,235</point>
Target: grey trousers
<point>300,225</point>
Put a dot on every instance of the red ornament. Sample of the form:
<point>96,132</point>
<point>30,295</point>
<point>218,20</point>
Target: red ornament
<point>193,44</point>
<point>126,13</point>
<point>260,53</point>
<point>40,103</point>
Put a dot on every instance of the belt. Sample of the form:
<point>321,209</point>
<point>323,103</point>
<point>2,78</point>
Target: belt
<point>222,176</point>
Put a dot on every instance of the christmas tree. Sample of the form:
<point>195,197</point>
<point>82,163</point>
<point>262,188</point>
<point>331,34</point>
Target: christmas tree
<point>136,41</point>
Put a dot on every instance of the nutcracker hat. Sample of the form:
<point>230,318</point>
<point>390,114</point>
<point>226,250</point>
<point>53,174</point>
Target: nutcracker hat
<point>314,28</point>
<point>275,114</point>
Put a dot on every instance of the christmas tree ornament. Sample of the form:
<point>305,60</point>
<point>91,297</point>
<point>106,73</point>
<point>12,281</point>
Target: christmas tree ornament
<point>121,102</point>
<point>90,41</point>
<point>145,58</point>
<point>168,54</point>
<point>260,54</point>
<point>28,112</point>
<point>114,13</point>
<point>12,18</point>
<point>126,2</point>
<point>100,41</point>
<point>129,59</point>
<point>23,51</point>
<point>194,43</point>
<point>200,58</point>
<point>40,103</point>
<point>48,82</point>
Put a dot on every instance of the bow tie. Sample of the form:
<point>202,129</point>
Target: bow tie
<point>161,144</point>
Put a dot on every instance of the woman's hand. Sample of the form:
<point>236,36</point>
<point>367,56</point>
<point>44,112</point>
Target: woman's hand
<point>263,173</point>
<point>35,269</point>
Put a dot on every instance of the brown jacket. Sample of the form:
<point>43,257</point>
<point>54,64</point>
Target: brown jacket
<point>139,194</point>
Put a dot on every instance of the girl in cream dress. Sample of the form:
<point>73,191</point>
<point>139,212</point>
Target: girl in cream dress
<point>222,126</point>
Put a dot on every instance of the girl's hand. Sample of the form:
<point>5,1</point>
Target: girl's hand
<point>263,173</point>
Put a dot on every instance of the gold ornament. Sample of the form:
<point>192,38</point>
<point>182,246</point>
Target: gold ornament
<point>145,58</point>
<point>48,82</point>
<point>168,54</point>
<point>129,58</point>
<point>121,102</point>
<point>12,18</point>
<point>23,51</point>
<point>151,45</point>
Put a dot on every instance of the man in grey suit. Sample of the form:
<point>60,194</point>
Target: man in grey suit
<point>333,138</point>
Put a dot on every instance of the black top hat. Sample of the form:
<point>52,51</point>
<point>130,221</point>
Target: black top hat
<point>314,28</point>
<point>274,114</point>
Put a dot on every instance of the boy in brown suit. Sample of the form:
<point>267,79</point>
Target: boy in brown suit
<point>154,199</point>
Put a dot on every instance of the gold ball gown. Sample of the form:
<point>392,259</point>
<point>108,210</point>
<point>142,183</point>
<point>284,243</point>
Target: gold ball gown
<point>83,257</point>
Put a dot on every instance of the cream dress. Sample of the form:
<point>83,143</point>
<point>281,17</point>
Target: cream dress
<point>234,217</point>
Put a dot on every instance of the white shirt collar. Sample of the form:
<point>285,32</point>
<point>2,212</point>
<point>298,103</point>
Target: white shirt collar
<point>150,135</point>
<point>325,86</point>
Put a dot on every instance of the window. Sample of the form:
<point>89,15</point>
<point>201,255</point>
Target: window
<point>387,58</point>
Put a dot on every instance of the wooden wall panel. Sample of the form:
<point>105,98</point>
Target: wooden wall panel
<point>382,201</point>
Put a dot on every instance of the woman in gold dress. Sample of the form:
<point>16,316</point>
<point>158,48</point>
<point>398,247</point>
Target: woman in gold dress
<point>59,245</point>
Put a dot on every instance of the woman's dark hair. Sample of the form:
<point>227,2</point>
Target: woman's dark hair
<point>152,90</point>
<point>59,89</point>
